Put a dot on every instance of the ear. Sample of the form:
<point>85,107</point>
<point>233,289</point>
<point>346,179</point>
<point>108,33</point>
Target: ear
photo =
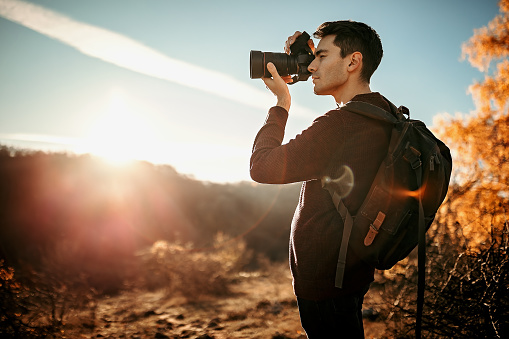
<point>355,61</point>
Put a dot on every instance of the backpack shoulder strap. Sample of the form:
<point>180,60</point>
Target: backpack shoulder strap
<point>421,259</point>
<point>375,112</point>
<point>347,230</point>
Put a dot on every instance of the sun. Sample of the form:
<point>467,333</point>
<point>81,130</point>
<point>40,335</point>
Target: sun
<point>121,134</point>
<point>128,130</point>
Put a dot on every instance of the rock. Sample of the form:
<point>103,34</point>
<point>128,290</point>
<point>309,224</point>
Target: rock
<point>234,316</point>
<point>149,313</point>
<point>370,314</point>
<point>204,336</point>
<point>187,333</point>
<point>276,308</point>
<point>280,336</point>
<point>132,317</point>
<point>213,323</point>
<point>263,304</point>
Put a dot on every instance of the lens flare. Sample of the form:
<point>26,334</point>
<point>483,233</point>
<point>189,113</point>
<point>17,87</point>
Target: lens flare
<point>343,182</point>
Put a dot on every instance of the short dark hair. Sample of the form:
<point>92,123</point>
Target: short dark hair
<point>352,36</point>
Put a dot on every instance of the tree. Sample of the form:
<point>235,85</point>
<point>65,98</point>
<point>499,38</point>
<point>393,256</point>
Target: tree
<point>480,141</point>
<point>468,252</point>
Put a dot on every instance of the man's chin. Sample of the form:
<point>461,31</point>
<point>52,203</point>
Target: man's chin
<point>319,92</point>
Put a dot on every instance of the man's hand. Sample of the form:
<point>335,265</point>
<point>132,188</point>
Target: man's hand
<point>291,40</point>
<point>278,86</point>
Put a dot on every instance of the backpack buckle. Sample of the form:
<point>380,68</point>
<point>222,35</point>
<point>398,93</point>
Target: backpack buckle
<point>413,156</point>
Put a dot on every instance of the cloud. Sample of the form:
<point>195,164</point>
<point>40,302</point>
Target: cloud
<point>49,139</point>
<point>132,55</point>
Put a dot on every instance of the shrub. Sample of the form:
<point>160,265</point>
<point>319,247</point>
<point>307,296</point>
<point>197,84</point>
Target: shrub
<point>10,309</point>
<point>191,272</point>
<point>466,293</point>
<point>14,306</point>
<point>36,302</point>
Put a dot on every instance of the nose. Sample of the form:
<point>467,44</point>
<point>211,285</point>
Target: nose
<point>312,66</point>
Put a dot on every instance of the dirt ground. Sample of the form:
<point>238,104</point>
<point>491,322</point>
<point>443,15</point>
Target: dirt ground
<point>261,306</point>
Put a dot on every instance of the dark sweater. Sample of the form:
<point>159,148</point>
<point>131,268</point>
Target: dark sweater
<point>334,140</point>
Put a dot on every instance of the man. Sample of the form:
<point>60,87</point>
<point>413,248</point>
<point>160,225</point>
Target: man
<point>347,55</point>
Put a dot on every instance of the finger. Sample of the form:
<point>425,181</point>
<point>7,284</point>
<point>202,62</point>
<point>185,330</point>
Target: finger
<point>287,46</point>
<point>311,45</point>
<point>294,37</point>
<point>291,40</point>
<point>272,69</point>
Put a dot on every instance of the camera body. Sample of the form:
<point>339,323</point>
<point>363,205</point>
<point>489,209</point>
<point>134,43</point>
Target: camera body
<point>295,64</point>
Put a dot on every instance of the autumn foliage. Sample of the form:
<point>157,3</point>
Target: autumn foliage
<point>468,261</point>
<point>480,140</point>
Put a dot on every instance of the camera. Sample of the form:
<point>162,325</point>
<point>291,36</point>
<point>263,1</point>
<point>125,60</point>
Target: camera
<point>295,64</point>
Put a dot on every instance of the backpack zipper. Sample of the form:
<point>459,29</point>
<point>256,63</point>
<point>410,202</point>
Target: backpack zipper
<point>434,159</point>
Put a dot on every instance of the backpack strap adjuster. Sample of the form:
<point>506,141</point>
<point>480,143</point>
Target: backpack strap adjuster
<point>373,228</point>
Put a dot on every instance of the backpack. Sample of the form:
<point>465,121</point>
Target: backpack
<point>409,187</point>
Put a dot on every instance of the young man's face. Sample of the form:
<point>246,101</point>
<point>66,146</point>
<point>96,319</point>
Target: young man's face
<point>329,70</point>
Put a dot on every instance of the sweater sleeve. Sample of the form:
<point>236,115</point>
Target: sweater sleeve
<point>303,158</point>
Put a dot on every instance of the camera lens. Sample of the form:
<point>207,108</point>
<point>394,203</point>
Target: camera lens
<point>285,64</point>
<point>256,66</point>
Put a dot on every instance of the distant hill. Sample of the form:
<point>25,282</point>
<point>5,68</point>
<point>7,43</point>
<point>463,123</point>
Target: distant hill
<point>95,210</point>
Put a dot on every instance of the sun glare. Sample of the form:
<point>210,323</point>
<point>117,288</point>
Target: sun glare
<point>120,135</point>
<point>124,133</point>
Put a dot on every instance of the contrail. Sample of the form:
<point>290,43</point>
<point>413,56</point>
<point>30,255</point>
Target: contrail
<point>132,55</point>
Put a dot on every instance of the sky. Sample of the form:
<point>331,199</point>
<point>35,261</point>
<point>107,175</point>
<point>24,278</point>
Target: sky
<point>167,81</point>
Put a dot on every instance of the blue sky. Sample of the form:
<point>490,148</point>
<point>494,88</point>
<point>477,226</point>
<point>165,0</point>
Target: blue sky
<point>168,80</point>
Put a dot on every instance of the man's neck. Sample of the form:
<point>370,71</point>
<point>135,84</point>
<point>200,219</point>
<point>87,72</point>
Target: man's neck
<point>349,93</point>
